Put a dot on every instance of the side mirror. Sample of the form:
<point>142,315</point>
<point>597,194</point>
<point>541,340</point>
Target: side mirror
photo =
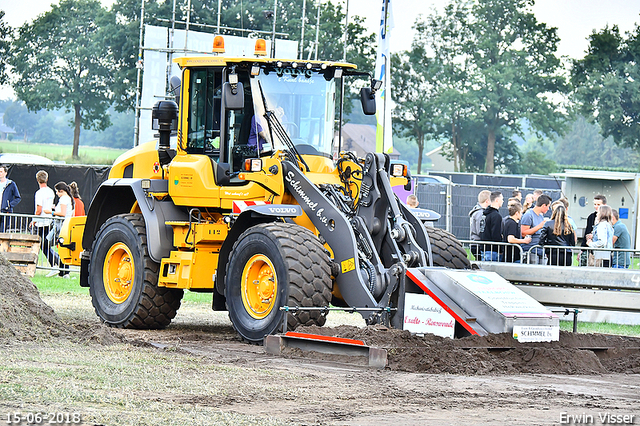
<point>232,98</point>
<point>409,184</point>
<point>368,101</point>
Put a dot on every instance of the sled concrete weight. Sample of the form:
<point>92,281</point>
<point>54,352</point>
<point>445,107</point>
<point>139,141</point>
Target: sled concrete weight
<point>487,303</point>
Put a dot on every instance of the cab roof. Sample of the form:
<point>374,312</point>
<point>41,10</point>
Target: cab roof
<point>208,61</point>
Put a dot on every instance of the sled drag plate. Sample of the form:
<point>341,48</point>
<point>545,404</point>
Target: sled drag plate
<point>376,357</point>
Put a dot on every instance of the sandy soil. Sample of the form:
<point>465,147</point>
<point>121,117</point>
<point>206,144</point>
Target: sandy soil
<point>429,380</point>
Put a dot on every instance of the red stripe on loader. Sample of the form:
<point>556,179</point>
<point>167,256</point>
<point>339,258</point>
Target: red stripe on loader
<point>419,283</point>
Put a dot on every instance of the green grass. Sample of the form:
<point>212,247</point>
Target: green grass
<point>56,285</point>
<point>87,154</point>
<point>602,328</point>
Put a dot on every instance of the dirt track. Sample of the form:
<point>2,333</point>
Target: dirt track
<point>429,380</point>
<point>335,393</point>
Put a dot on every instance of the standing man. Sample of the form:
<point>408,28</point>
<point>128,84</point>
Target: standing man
<point>492,230</point>
<point>475,217</point>
<point>531,224</point>
<point>44,208</point>
<point>621,240</point>
<point>10,197</point>
<point>598,200</point>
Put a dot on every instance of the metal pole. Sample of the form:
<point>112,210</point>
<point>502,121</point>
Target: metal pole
<point>317,31</point>
<point>341,113</point>
<point>346,28</point>
<point>344,59</point>
<point>386,82</point>
<point>170,53</point>
<point>186,30</point>
<point>448,208</point>
<point>303,20</point>
<point>219,9</point>
<point>273,34</point>
<point>136,128</point>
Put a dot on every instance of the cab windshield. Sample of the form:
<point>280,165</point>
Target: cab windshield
<point>304,103</point>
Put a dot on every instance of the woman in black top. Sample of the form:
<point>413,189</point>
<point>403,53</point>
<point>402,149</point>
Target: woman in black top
<point>558,232</point>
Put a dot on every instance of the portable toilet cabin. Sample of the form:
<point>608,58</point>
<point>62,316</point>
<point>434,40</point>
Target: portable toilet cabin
<point>620,188</point>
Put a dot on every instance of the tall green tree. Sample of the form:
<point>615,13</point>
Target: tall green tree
<point>496,65</point>
<point>61,62</point>
<point>5,43</point>
<point>413,114</point>
<point>607,84</point>
<point>439,49</point>
<point>515,69</point>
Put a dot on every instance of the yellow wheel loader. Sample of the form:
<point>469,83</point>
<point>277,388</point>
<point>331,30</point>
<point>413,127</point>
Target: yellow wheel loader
<point>244,195</point>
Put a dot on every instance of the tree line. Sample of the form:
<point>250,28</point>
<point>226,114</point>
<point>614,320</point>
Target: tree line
<point>482,77</point>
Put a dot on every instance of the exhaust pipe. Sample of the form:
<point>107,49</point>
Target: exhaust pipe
<point>165,120</point>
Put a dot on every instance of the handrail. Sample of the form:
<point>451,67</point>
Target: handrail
<point>15,223</point>
<point>489,245</point>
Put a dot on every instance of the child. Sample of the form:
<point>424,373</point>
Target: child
<point>512,233</point>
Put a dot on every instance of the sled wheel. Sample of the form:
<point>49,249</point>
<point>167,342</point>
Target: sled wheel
<point>274,265</point>
<point>123,279</point>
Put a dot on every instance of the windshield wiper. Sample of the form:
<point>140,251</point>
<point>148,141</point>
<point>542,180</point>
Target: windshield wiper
<point>276,126</point>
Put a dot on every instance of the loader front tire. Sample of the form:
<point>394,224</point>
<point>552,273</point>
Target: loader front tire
<point>274,265</point>
<point>446,249</point>
<point>123,278</point>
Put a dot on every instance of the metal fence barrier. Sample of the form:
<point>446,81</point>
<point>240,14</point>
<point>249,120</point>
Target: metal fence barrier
<point>553,255</point>
<point>48,258</point>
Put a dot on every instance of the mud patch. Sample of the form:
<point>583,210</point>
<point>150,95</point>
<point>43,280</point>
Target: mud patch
<point>495,354</point>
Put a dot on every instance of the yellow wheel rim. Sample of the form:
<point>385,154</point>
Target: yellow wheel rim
<point>259,286</point>
<point>118,273</point>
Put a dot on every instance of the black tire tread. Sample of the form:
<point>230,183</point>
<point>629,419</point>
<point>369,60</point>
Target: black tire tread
<point>157,305</point>
<point>447,250</point>
<point>309,269</point>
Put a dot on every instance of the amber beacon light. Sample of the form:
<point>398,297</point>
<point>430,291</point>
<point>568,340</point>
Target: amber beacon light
<point>261,47</point>
<point>218,44</point>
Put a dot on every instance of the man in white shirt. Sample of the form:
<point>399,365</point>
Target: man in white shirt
<point>44,207</point>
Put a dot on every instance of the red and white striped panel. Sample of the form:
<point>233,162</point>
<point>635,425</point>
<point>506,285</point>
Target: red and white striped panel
<point>240,206</point>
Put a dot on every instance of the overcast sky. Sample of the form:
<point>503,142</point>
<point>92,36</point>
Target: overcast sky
<point>575,19</point>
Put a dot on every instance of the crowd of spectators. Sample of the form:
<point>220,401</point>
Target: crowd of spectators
<point>543,232</point>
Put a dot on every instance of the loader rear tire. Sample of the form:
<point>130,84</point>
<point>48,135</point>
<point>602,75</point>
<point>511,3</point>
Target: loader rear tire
<point>446,249</point>
<point>274,265</point>
<point>123,279</point>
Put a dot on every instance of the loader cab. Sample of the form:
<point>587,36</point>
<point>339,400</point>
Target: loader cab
<point>282,101</point>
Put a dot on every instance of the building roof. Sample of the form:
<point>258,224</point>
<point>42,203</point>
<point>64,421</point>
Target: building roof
<point>597,174</point>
